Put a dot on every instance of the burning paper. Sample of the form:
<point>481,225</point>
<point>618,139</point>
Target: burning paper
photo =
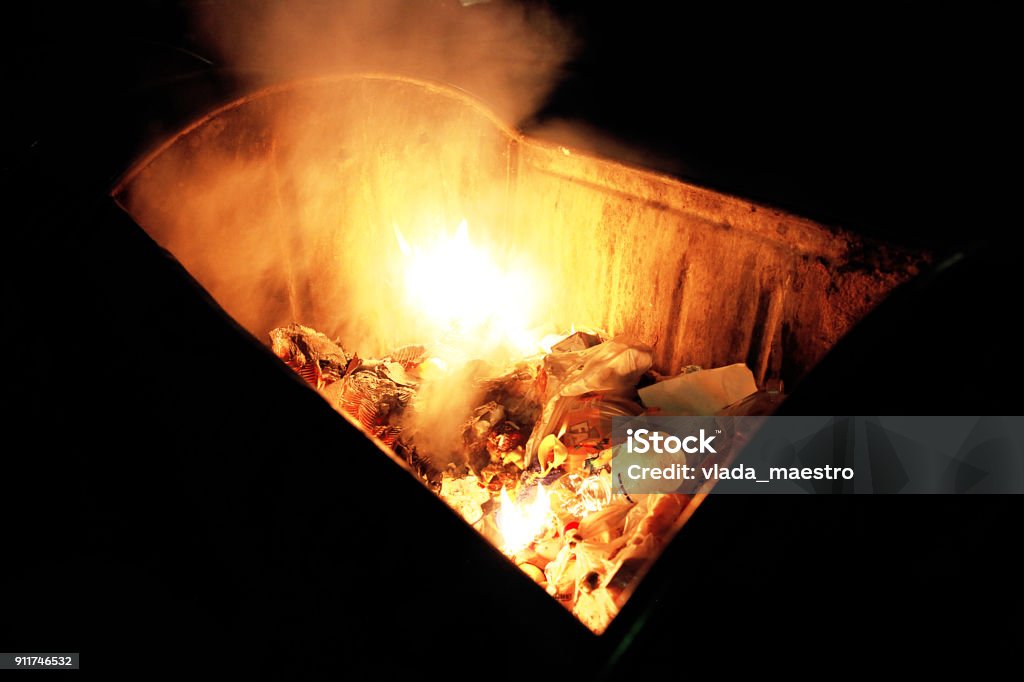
<point>555,514</point>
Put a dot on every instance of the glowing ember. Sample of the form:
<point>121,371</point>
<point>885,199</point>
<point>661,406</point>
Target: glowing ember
<point>457,285</point>
<point>520,524</point>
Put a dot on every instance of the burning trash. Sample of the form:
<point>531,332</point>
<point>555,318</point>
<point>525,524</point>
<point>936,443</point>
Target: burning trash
<point>346,203</point>
<point>529,467</point>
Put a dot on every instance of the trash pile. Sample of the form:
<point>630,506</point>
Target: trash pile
<point>528,464</point>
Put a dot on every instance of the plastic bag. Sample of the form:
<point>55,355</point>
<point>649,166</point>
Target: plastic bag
<point>614,366</point>
<point>607,374</point>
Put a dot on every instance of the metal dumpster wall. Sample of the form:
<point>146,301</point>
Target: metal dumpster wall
<point>708,278</point>
<point>284,204</point>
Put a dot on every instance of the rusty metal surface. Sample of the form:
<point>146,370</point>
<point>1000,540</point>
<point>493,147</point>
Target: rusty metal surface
<point>242,198</point>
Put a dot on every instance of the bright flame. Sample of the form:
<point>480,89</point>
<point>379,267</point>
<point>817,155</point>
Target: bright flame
<point>521,524</point>
<point>459,287</point>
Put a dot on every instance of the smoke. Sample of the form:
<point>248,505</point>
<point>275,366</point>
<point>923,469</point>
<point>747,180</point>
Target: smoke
<point>287,208</point>
<point>508,54</point>
<point>441,409</point>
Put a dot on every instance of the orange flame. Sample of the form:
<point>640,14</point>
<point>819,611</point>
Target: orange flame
<point>520,524</point>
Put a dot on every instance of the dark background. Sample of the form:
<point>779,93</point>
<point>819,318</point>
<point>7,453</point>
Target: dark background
<point>167,487</point>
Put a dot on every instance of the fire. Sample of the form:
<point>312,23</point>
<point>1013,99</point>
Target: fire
<point>520,524</point>
<point>461,288</point>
